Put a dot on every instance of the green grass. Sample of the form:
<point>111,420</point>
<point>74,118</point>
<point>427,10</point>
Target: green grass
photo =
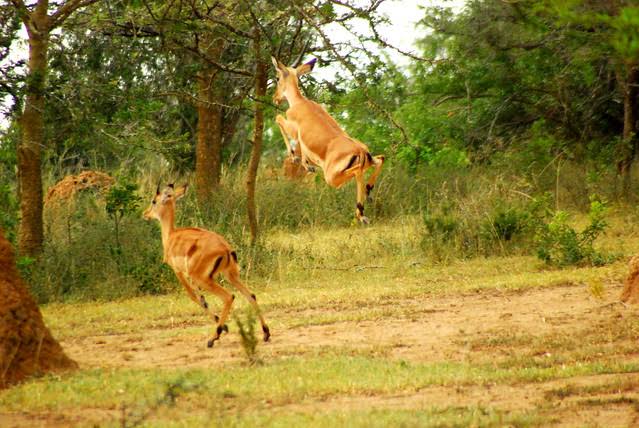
<point>387,280</point>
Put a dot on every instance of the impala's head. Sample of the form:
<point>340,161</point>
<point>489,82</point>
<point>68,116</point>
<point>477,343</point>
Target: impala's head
<point>287,76</point>
<point>164,201</point>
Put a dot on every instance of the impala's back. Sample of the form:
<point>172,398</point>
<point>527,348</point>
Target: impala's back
<point>198,252</point>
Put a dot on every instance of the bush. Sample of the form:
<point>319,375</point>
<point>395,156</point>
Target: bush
<point>559,244</point>
<point>81,259</point>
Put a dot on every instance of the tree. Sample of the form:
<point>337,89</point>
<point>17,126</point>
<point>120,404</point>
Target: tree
<point>26,344</point>
<point>504,72</point>
<point>38,22</point>
<point>258,132</point>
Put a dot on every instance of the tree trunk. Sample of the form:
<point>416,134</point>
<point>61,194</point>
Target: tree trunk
<point>26,345</point>
<point>258,134</point>
<point>630,140</point>
<point>30,149</point>
<point>208,151</point>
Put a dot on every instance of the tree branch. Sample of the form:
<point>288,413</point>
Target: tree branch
<point>67,8</point>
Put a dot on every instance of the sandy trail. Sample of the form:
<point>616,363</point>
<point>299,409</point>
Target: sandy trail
<point>429,329</point>
<point>426,329</point>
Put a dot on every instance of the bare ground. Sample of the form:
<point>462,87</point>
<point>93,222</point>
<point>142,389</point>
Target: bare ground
<point>475,327</point>
<point>426,329</point>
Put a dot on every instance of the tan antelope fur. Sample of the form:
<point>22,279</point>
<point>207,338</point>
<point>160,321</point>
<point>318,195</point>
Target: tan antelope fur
<point>320,139</point>
<point>197,256</point>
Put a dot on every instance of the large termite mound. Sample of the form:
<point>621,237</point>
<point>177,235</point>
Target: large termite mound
<point>26,345</point>
<point>74,198</point>
<point>630,293</point>
<point>292,170</point>
<point>66,189</point>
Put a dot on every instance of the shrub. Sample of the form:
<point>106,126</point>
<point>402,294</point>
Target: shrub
<point>559,244</point>
<point>248,337</point>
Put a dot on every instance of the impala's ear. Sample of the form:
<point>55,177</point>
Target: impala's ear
<point>279,66</point>
<point>181,191</point>
<point>306,67</point>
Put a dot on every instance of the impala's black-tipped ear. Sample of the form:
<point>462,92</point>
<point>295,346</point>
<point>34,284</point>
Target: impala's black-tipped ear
<point>306,67</point>
<point>157,190</point>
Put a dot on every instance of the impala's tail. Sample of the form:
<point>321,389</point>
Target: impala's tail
<point>360,161</point>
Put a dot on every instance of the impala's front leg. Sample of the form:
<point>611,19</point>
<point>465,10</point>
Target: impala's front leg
<point>361,197</point>
<point>201,301</point>
<point>288,129</point>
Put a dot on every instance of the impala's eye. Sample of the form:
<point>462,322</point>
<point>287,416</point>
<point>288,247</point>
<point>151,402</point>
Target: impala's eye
<point>153,201</point>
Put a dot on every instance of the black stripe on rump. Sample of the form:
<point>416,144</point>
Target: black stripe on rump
<point>369,157</point>
<point>216,266</point>
<point>351,162</point>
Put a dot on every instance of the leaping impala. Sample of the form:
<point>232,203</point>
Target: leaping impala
<point>320,140</point>
<point>197,256</point>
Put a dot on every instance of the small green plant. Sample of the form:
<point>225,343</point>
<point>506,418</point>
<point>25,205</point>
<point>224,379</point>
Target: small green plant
<point>9,212</point>
<point>248,338</point>
<point>508,222</point>
<point>596,289</point>
<point>121,200</point>
<point>559,244</point>
<point>441,226</point>
<point>25,265</point>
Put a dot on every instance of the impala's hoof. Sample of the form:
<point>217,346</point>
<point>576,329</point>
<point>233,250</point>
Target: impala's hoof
<point>267,333</point>
<point>310,168</point>
<point>225,328</point>
<point>297,160</point>
<point>210,343</point>
<point>364,220</point>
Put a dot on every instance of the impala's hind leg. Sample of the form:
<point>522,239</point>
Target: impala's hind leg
<point>378,162</point>
<point>201,301</point>
<point>227,299</point>
<point>233,276</point>
<point>361,197</point>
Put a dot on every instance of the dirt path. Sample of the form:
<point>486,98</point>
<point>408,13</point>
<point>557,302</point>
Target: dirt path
<point>484,326</point>
<point>427,329</point>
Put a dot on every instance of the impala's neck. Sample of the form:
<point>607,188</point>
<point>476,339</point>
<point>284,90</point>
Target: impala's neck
<point>293,94</point>
<point>167,227</point>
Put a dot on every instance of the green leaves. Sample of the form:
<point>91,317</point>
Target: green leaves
<point>625,33</point>
<point>122,200</point>
<point>560,244</point>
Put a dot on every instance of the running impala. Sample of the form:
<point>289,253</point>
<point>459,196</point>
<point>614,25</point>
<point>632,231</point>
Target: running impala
<point>197,256</point>
<point>320,140</point>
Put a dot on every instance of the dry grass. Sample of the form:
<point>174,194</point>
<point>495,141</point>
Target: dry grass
<point>366,332</point>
